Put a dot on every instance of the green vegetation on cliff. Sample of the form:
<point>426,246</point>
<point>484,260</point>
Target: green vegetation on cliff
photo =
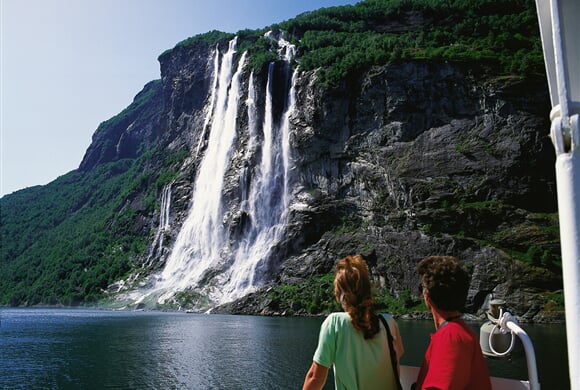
<point>65,242</point>
<point>342,41</point>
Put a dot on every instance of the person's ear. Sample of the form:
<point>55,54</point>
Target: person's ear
<point>427,298</point>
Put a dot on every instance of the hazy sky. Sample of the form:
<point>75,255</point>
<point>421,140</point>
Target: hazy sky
<point>68,65</point>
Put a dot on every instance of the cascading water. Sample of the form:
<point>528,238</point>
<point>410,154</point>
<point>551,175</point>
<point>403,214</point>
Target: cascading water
<point>207,256</point>
<point>164,224</point>
<point>268,199</point>
<point>202,236</point>
<point>212,101</point>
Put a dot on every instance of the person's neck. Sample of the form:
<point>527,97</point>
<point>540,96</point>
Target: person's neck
<point>442,316</point>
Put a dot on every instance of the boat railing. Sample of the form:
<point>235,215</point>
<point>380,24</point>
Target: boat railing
<point>507,323</point>
<point>507,320</point>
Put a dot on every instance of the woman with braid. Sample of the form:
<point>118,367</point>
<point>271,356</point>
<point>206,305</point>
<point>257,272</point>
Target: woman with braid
<point>356,342</point>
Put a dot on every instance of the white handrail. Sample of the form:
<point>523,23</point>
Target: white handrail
<point>508,321</point>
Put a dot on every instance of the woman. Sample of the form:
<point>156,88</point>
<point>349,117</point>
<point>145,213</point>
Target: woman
<point>355,343</point>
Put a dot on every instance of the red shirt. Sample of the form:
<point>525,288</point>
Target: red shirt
<point>454,360</point>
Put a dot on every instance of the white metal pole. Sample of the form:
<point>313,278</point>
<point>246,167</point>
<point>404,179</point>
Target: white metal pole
<point>568,187</point>
<point>560,31</point>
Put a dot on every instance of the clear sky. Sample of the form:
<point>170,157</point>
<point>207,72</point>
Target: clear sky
<point>68,65</point>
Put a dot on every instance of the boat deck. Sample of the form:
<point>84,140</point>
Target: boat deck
<point>409,376</point>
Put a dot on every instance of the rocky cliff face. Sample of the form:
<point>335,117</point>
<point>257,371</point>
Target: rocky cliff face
<point>131,133</point>
<point>401,161</point>
<point>426,158</point>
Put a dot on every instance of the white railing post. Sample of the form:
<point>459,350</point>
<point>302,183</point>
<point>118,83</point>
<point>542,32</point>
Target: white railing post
<point>560,31</point>
<point>568,188</point>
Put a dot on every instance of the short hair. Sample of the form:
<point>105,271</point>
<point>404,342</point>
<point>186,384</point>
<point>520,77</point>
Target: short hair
<point>446,282</point>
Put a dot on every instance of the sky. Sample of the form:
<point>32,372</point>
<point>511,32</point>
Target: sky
<point>68,65</point>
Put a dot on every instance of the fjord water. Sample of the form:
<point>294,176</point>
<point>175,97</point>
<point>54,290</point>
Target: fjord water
<point>99,349</point>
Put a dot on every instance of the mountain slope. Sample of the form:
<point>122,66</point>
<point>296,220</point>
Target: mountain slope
<point>420,128</point>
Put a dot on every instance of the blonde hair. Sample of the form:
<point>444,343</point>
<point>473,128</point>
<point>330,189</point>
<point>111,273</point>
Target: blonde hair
<point>352,287</point>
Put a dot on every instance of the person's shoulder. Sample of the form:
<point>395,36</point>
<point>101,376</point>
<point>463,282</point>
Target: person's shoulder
<point>456,331</point>
<point>339,316</point>
<point>390,321</point>
<point>335,323</point>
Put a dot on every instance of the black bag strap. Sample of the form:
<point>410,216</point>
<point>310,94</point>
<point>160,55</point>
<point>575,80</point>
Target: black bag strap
<point>392,351</point>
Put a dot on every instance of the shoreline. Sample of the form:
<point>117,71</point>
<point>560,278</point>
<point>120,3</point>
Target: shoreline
<point>556,317</point>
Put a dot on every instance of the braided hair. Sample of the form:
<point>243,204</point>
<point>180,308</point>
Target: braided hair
<point>352,287</point>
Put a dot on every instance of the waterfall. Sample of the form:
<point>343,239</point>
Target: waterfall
<point>268,201</point>
<point>212,102</point>
<point>268,195</point>
<point>155,251</point>
<point>202,235</point>
<point>253,142</point>
<point>209,256</point>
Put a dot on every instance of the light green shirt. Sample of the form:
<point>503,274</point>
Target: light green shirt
<point>358,363</point>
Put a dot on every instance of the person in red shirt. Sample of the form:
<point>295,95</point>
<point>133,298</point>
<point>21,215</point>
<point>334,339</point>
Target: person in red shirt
<point>453,359</point>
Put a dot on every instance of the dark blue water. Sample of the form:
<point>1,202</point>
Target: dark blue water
<point>98,349</point>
